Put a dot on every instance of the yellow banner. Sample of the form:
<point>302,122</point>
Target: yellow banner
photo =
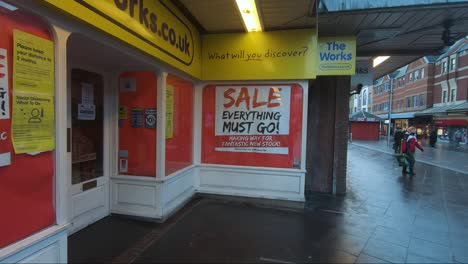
<point>33,69</point>
<point>33,123</point>
<point>336,56</point>
<point>169,111</point>
<point>260,55</point>
<point>154,27</point>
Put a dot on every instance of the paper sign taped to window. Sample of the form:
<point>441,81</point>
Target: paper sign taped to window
<point>5,159</point>
<point>86,112</point>
<point>4,99</point>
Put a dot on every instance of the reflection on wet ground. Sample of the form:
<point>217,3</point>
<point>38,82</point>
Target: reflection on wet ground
<point>385,217</point>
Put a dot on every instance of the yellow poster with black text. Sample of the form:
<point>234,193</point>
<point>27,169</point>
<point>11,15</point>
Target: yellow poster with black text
<point>33,69</point>
<point>33,123</point>
<point>276,55</point>
<point>336,56</point>
<point>33,117</point>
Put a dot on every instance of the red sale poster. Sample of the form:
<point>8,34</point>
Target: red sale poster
<point>253,125</point>
<point>252,119</point>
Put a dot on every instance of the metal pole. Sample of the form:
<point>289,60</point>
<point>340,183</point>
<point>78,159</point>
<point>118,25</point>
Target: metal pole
<point>390,110</point>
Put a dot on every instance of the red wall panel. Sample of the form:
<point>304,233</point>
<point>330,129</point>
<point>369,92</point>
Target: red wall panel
<point>179,147</point>
<point>26,186</point>
<point>139,142</point>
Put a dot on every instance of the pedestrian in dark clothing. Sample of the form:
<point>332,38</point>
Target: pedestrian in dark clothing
<point>410,149</point>
<point>397,140</point>
<point>433,138</point>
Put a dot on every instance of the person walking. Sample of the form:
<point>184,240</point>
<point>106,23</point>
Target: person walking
<point>397,137</point>
<point>433,138</point>
<point>410,149</point>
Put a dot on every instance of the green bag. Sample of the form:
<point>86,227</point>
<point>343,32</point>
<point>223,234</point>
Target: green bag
<point>403,159</point>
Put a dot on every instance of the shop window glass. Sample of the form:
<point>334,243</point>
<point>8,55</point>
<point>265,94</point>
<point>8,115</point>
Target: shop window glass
<point>137,124</point>
<point>252,125</point>
<point>26,181</point>
<point>87,128</point>
<point>179,124</point>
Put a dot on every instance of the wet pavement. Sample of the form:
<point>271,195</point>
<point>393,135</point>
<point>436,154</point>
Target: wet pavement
<point>445,155</point>
<point>384,217</point>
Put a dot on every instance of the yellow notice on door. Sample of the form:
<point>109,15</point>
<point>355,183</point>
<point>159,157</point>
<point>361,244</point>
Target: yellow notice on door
<point>33,123</point>
<point>33,69</point>
<point>169,111</point>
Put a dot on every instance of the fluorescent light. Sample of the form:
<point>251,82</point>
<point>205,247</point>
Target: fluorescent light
<point>249,14</point>
<point>7,6</point>
<point>379,60</point>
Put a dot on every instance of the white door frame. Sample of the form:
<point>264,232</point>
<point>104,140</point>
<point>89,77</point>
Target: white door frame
<point>82,212</point>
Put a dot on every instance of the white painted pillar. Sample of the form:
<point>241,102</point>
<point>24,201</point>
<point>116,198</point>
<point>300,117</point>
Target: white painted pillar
<point>161,126</point>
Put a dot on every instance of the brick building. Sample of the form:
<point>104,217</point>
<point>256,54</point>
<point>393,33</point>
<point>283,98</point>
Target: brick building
<point>449,112</point>
<point>428,93</point>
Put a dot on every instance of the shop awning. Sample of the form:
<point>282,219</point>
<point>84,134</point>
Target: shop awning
<point>459,108</point>
<point>444,109</point>
<point>398,115</point>
<point>364,116</point>
<point>451,122</point>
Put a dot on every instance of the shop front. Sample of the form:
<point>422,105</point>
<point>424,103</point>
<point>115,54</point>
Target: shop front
<point>102,117</point>
<point>452,130</point>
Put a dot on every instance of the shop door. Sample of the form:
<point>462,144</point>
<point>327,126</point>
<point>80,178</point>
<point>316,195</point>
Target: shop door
<point>89,180</point>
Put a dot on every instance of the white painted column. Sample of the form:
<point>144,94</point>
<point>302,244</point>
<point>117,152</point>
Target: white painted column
<point>61,155</point>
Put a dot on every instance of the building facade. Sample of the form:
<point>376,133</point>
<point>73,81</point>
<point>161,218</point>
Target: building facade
<point>449,112</point>
<point>429,93</point>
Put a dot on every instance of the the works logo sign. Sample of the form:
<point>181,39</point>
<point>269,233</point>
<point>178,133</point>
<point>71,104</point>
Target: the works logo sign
<point>151,21</point>
<point>335,55</point>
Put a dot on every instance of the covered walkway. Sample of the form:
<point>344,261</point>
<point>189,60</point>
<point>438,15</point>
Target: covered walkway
<point>384,218</point>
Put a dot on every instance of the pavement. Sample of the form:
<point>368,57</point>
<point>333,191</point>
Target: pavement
<point>384,217</point>
<point>445,155</point>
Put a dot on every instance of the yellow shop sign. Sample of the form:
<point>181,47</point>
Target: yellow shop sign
<point>155,27</point>
<point>260,55</point>
<point>336,56</point>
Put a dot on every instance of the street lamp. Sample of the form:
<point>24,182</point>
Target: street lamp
<point>391,76</point>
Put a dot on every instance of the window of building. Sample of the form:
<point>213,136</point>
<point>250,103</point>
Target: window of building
<point>403,81</point>
<point>410,76</point>
<point>364,98</point>
<point>444,67</point>
<point>422,73</point>
<point>416,75</point>
<point>453,95</point>
<point>444,97</point>
<point>408,102</point>
<point>453,62</point>
<point>415,103</point>
<point>421,100</point>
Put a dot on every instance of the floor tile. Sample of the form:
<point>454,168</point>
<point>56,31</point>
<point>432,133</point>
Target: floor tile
<point>430,250</point>
<point>391,235</point>
<point>364,258</point>
<point>385,250</point>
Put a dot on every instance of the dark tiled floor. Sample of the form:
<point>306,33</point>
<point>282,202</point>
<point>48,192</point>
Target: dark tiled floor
<point>383,218</point>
